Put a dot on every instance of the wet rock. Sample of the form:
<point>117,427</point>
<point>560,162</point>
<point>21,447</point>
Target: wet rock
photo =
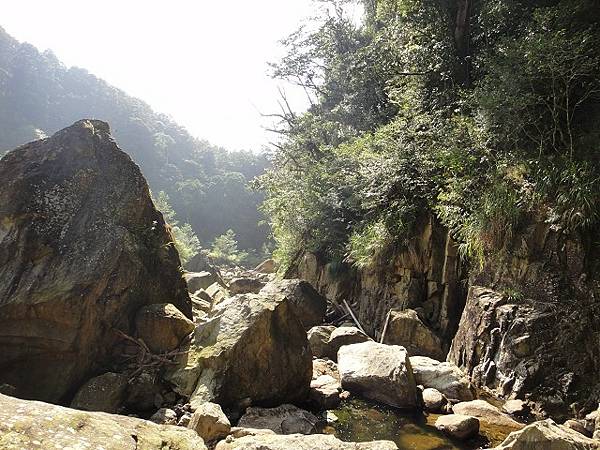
<point>162,327</point>
<point>210,422</point>
<point>245,286</point>
<point>310,306</point>
<point>405,328</point>
<point>378,372</point>
<point>105,393</point>
<point>318,338</point>
<point>433,400</point>
<point>164,416</point>
<point>486,412</point>
<point>299,442</point>
<point>344,336</point>
<point>284,419</point>
<point>26,424</point>
<point>325,392</point>
<point>546,434</point>
<point>252,347</point>
<point>82,248</point>
<point>458,426</point>
<point>199,280</point>
<point>443,376</point>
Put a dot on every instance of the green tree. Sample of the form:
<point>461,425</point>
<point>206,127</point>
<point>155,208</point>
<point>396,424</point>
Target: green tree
<point>225,250</point>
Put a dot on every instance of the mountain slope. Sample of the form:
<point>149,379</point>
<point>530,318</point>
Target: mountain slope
<point>207,185</point>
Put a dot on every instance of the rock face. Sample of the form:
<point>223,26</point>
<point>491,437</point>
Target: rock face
<point>310,306</point>
<point>378,372</point>
<point>267,441</point>
<point>547,435</point>
<point>102,393</point>
<point>536,332</point>
<point>267,266</point>
<point>406,329</point>
<point>26,424</point>
<point>284,419</point>
<point>162,327</point>
<point>445,377</point>
<point>82,248</point>
<point>252,347</point>
<point>426,276</point>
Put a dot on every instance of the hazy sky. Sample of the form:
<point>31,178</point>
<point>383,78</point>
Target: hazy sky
<point>202,62</point>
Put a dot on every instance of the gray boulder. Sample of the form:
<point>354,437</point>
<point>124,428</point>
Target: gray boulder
<point>443,376</point>
<point>405,328</point>
<point>378,372</point>
<point>458,426</point>
<point>284,419</point>
<point>546,434</point>
<point>105,393</point>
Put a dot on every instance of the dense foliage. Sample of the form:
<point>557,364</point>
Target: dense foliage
<point>480,112</point>
<point>206,185</point>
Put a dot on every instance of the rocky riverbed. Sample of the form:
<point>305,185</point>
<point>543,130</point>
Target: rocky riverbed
<point>103,347</point>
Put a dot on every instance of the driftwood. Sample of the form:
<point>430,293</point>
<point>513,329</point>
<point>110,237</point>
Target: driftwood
<point>144,359</point>
<point>385,326</point>
<point>354,317</point>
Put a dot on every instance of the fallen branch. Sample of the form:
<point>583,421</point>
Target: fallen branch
<point>354,317</point>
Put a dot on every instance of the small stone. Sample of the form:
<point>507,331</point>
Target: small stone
<point>210,422</point>
<point>458,426</point>
<point>433,400</point>
<point>164,416</point>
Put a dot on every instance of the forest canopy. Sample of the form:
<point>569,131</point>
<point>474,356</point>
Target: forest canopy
<point>481,113</point>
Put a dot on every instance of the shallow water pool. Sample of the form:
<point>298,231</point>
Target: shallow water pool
<point>360,421</point>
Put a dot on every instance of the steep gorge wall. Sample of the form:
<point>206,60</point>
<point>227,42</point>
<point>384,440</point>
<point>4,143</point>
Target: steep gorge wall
<point>425,276</point>
<point>529,326</point>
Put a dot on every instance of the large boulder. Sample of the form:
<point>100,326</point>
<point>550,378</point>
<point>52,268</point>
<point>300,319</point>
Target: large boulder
<point>26,424</point>
<point>378,372</point>
<point>105,393</point>
<point>487,413</point>
<point>162,327</point>
<point>284,419</point>
<point>200,280</point>
<point>268,441</point>
<point>82,248</point>
<point>405,328</point>
<point>310,306</point>
<point>443,376</point>
<point>252,347</point>
<point>546,434</point>
<point>267,266</point>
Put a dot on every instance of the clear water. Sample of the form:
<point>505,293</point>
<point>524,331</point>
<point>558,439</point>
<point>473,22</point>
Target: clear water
<point>361,421</point>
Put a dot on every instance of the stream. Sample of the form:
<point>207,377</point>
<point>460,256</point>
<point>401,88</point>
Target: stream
<point>361,421</point>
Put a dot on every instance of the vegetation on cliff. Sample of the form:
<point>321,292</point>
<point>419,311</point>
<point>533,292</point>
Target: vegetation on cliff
<point>483,113</point>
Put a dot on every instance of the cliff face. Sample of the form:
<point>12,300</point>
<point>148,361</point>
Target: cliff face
<point>531,327</point>
<point>528,328</point>
<point>426,276</point>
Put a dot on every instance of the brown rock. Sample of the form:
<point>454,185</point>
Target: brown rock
<point>245,285</point>
<point>433,400</point>
<point>318,338</point>
<point>199,280</point>
<point>546,434</point>
<point>405,328</point>
<point>82,248</point>
<point>210,422</point>
<point>267,266</point>
<point>162,327</point>
<point>487,413</point>
<point>344,336</point>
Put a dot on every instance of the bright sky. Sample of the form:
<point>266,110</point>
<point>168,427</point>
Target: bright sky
<point>202,62</point>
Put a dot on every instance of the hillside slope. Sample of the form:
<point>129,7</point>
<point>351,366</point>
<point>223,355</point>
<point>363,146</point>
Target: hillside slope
<point>206,184</point>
